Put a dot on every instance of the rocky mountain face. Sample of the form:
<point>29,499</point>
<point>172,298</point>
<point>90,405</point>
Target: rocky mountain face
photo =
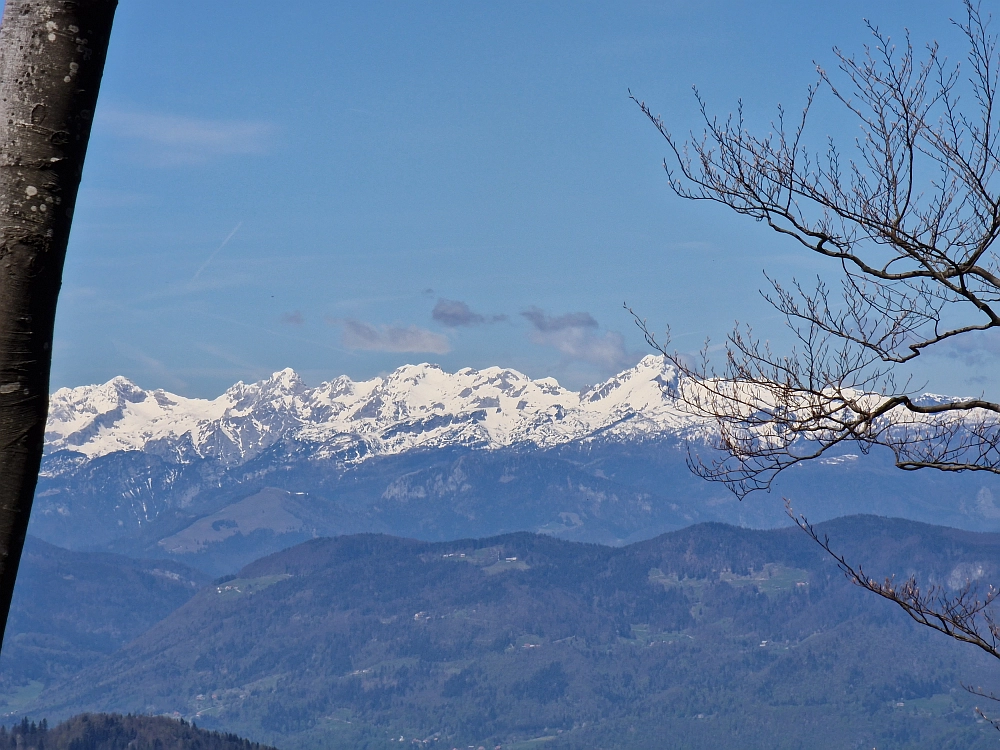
<point>421,453</point>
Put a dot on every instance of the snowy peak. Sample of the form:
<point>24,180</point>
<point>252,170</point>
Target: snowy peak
<point>414,406</point>
<point>643,386</point>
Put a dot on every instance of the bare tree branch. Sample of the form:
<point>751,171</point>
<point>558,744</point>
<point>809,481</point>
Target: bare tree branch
<point>965,616</point>
<point>989,695</point>
<point>912,219</point>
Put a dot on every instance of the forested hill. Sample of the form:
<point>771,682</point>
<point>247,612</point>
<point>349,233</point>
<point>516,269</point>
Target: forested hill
<point>72,608</point>
<point>710,637</point>
<point>113,732</point>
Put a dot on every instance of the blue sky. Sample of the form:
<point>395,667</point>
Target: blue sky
<point>345,188</point>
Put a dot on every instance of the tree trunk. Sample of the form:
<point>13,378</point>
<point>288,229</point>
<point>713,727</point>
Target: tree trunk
<point>52,55</point>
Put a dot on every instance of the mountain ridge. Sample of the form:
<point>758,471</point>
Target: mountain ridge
<point>349,422</point>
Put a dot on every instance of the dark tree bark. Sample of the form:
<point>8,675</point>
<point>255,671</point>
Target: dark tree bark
<point>52,55</point>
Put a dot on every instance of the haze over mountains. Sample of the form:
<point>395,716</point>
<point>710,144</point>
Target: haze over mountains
<point>426,454</point>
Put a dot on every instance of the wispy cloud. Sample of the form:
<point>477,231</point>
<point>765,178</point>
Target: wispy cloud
<point>576,336</point>
<point>240,367</point>
<point>294,318</point>
<point>150,365</point>
<point>454,313</point>
<point>172,140</point>
<point>360,335</point>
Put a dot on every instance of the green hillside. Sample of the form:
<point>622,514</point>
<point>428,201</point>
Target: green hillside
<point>70,609</point>
<point>710,637</point>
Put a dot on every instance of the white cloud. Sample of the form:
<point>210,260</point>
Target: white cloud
<point>360,335</point>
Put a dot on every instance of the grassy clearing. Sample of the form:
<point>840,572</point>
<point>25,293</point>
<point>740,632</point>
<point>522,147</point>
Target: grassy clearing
<point>23,695</point>
<point>242,586</point>
<point>772,580</point>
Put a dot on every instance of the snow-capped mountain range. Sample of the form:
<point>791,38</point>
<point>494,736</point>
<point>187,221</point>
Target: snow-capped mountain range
<point>422,453</point>
<point>416,406</point>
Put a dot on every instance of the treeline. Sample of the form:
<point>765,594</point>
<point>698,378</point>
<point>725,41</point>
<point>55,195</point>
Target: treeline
<point>116,732</point>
